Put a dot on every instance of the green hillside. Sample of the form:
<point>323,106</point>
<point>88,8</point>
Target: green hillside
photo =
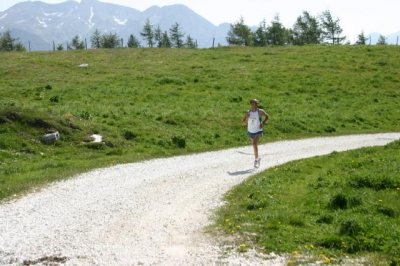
<point>154,102</point>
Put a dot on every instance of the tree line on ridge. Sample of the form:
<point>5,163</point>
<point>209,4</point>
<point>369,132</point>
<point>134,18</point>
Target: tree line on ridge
<point>307,29</point>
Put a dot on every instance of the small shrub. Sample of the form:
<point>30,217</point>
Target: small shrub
<point>171,122</point>
<point>325,219</point>
<point>237,99</point>
<point>329,129</point>
<point>96,146</point>
<point>179,141</point>
<point>129,135</point>
<point>381,63</point>
<point>350,228</point>
<point>297,221</point>
<point>331,242</point>
<point>375,183</point>
<point>360,182</point>
<point>110,144</point>
<point>209,141</point>
<point>171,80</point>
<point>390,212</point>
<point>117,152</point>
<point>85,115</point>
<point>162,143</point>
<point>339,201</point>
<point>218,87</point>
<point>256,205</point>
<point>55,99</point>
<point>354,202</point>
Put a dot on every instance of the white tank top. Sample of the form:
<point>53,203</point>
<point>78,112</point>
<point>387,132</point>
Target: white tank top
<point>253,123</point>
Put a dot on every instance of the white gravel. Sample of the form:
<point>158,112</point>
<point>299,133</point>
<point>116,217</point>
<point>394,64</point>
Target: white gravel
<point>147,213</point>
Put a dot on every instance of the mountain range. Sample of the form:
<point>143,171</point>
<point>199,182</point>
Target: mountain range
<point>393,38</point>
<point>42,26</point>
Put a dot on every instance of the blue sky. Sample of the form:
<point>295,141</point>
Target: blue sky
<point>355,16</point>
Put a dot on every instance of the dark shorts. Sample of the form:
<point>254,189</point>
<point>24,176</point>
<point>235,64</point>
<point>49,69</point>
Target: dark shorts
<point>253,135</point>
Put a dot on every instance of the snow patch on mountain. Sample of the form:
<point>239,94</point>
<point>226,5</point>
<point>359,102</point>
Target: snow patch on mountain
<point>56,14</point>
<point>41,22</point>
<point>120,22</point>
<point>91,24</point>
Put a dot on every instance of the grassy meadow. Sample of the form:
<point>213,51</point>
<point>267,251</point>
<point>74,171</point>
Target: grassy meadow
<point>149,103</point>
<point>326,209</point>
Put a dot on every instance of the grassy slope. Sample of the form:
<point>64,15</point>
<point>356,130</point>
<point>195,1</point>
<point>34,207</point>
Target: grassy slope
<point>141,100</point>
<point>321,209</point>
<point>161,102</point>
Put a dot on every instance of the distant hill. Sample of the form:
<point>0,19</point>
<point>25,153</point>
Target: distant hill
<point>390,39</point>
<point>41,24</point>
<point>394,38</point>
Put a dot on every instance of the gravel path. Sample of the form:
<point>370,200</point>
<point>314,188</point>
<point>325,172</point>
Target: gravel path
<point>147,213</point>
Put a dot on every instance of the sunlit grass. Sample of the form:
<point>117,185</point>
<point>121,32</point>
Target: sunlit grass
<point>157,95</point>
<point>339,205</point>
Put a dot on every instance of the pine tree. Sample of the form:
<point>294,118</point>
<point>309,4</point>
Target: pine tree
<point>133,42</point>
<point>95,39</point>
<point>361,39</point>
<point>239,34</point>
<point>306,30</point>
<point>60,47</point>
<point>165,42</point>
<point>331,29</point>
<point>158,34</point>
<point>7,43</point>
<point>176,36</point>
<point>110,40</point>
<point>148,33</point>
<point>76,44</point>
<point>190,43</point>
<point>260,37</point>
<point>276,33</point>
<point>382,40</point>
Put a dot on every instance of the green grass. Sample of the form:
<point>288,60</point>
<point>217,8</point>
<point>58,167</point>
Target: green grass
<point>149,103</point>
<point>321,209</point>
